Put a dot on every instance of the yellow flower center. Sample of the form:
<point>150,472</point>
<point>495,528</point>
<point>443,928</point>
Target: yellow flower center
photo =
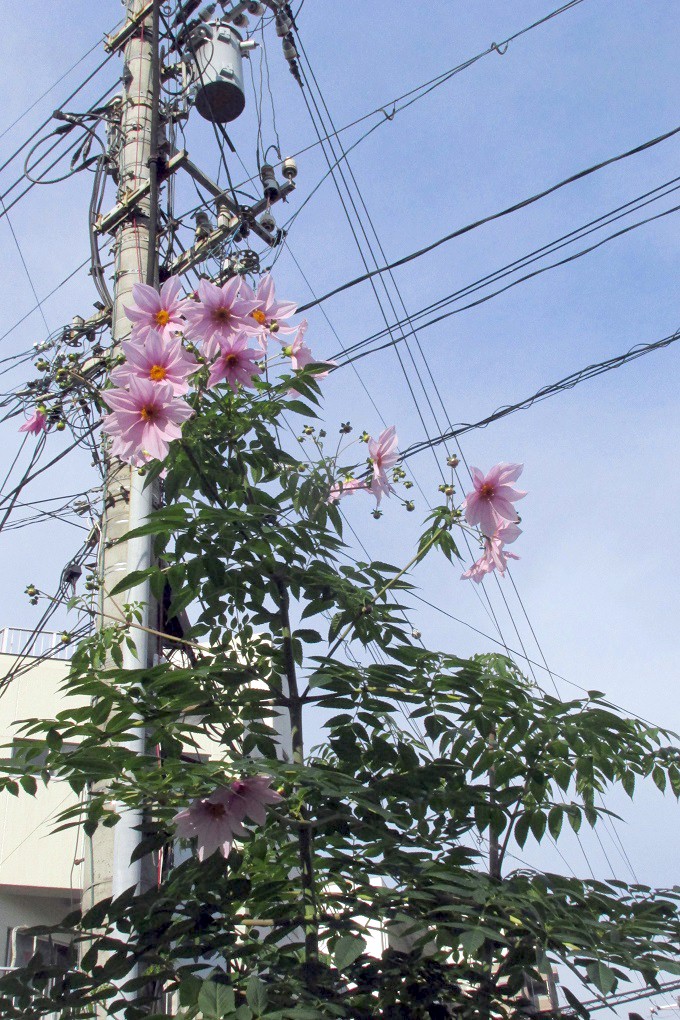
<point>231,359</point>
<point>259,316</point>
<point>486,490</point>
<point>157,373</point>
<point>162,317</point>
<point>148,413</point>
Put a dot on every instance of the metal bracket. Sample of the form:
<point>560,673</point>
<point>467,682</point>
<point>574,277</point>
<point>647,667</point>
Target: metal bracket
<point>222,199</point>
<point>117,40</point>
<point>109,221</point>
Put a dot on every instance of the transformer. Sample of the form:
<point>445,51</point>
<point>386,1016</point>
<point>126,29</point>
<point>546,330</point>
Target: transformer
<point>217,50</point>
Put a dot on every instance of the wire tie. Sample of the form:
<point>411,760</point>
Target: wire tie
<point>389,116</point>
<point>501,49</point>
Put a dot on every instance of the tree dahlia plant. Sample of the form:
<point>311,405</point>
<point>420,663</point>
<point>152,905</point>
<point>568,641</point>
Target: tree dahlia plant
<point>275,862</point>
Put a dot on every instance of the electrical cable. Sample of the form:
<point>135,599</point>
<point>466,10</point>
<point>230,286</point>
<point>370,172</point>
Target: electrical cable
<point>550,390</point>
<point>443,408</point>
<point>68,99</point>
<point>362,350</point>
<point>507,211</point>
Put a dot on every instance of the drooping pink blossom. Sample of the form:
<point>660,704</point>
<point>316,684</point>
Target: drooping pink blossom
<point>495,555</point>
<point>158,361</point>
<point>490,502</point>
<point>251,797</point>
<point>220,314</point>
<point>269,314</point>
<point>163,313</point>
<point>236,363</point>
<point>216,819</point>
<point>213,821</point>
<point>144,419</point>
<point>384,455</point>
<point>36,424</point>
<point>347,487</point>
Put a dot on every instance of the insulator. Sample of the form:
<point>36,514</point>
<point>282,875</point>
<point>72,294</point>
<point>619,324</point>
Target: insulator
<point>220,94</point>
<point>267,222</point>
<point>289,51</point>
<point>204,226</point>
<point>283,24</point>
<point>272,191</point>
<point>255,8</point>
<point>289,169</point>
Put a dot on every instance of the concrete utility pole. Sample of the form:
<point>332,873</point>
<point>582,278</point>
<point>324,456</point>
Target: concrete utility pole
<point>128,501</point>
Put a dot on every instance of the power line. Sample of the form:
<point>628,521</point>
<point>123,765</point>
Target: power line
<point>49,119</point>
<point>360,349</point>
<point>48,90</point>
<point>551,390</point>
<point>515,207</point>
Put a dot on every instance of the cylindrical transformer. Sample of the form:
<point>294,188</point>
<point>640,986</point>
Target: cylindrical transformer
<point>216,48</point>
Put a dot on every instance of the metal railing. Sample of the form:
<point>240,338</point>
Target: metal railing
<point>42,644</point>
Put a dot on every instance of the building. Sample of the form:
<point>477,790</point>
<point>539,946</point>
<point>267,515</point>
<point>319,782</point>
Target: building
<point>41,872</point>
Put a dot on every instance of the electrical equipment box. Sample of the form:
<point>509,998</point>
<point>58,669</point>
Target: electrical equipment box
<point>217,49</point>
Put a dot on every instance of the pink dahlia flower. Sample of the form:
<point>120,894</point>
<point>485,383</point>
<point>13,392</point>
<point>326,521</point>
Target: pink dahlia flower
<point>490,502</point>
<point>216,819</point>
<point>144,420</point>
<point>213,821</point>
<point>36,424</point>
<point>220,314</point>
<point>495,555</point>
<point>158,361</point>
<point>347,487</point>
<point>251,797</point>
<point>163,313</point>
<point>269,314</point>
<point>237,363</point>
<point>384,455</point>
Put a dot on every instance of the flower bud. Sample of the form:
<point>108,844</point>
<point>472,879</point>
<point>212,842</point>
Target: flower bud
<point>452,461</point>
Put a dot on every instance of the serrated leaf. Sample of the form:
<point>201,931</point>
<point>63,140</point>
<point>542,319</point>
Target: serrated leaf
<point>256,994</point>
<point>602,976</point>
<point>471,941</point>
<point>348,949</point>
<point>215,1001</point>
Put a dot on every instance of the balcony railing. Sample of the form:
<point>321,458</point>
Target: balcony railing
<point>22,641</point>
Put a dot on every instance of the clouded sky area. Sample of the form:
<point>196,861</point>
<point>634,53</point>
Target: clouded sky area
<point>595,594</point>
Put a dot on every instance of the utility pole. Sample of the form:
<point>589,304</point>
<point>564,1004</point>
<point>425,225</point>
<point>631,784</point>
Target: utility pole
<point>127,500</point>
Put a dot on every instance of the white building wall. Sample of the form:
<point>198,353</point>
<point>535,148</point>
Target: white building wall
<point>40,871</point>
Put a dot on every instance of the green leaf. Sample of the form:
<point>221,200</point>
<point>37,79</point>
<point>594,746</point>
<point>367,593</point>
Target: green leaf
<point>348,949</point>
<point>256,994</point>
<point>215,1001</point>
<point>132,579</point>
<point>555,819</point>
<point>472,940</point>
<point>601,975</point>
<point>575,1003</point>
<point>29,784</point>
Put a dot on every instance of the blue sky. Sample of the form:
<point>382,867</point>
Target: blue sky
<point>598,574</point>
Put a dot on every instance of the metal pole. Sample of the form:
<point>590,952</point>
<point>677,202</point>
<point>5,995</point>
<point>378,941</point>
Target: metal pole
<point>128,501</point>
